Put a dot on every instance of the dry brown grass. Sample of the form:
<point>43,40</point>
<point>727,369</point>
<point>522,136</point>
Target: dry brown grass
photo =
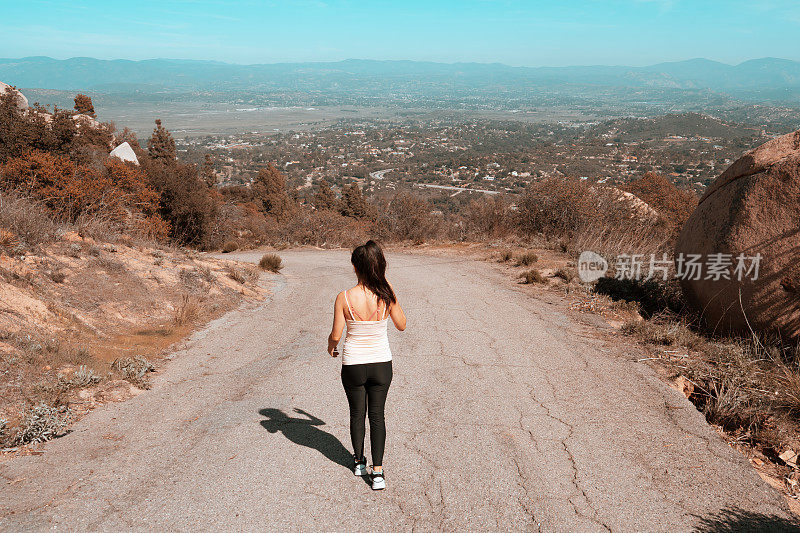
<point>242,274</point>
<point>23,223</point>
<point>567,274</point>
<point>749,387</point>
<point>526,259</point>
<point>230,246</point>
<point>271,262</point>
<point>188,311</point>
<point>532,276</point>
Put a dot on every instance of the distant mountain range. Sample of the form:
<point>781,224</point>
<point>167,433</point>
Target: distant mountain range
<point>159,75</point>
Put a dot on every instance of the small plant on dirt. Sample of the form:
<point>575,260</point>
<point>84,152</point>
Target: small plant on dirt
<point>242,275</point>
<point>205,273</point>
<point>506,256</point>
<point>187,311</point>
<point>41,423</point>
<point>230,246</point>
<point>57,276</point>
<point>94,251</point>
<point>237,275</point>
<point>110,266</point>
<point>134,369</point>
<point>8,241</point>
<point>3,431</point>
<point>271,262</point>
<point>527,259</point>
<point>566,274</point>
<point>83,377</point>
<point>532,276</point>
<point>75,250</point>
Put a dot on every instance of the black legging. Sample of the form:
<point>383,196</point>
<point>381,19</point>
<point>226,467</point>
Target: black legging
<point>366,386</point>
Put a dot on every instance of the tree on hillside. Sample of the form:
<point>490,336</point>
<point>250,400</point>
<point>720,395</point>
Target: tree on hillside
<point>269,188</point>
<point>207,172</point>
<point>84,106</point>
<point>671,202</point>
<point>325,198</point>
<point>161,146</point>
<point>184,200</point>
<point>354,204</point>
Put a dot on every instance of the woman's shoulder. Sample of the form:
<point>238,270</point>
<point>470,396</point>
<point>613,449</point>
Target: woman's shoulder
<point>346,292</point>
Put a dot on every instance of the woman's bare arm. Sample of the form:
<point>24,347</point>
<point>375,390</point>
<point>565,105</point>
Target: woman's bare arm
<point>397,313</point>
<point>398,316</point>
<point>338,325</point>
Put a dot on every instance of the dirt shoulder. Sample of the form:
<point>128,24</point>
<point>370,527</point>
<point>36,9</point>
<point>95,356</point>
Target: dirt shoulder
<point>84,322</point>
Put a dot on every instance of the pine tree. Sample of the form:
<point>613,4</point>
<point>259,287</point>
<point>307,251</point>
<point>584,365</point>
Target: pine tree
<point>207,172</point>
<point>84,106</point>
<point>161,145</point>
<point>269,188</point>
<point>325,198</point>
<point>354,204</point>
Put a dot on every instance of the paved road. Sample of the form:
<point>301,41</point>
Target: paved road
<point>453,188</point>
<point>503,415</point>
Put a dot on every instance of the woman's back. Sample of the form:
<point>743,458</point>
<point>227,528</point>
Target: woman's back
<point>367,319</point>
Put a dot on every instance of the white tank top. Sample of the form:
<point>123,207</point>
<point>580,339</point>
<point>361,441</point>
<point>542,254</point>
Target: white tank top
<point>367,341</point>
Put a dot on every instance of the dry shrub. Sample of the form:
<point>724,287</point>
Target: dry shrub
<point>584,217</point>
<point>134,369</point>
<point>187,311</point>
<point>82,377</point>
<point>672,203</point>
<point>408,217</point>
<point>566,274</point>
<point>230,246</point>
<point>41,423</point>
<point>555,207</point>
<point>322,228</point>
<point>487,218</point>
<point>652,296</point>
<point>26,220</point>
<point>271,262</point>
<point>9,243</point>
<point>109,265</point>
<point>243,274</point>
<point>532,276</point>
<point>506,256</point>
<point>527,259</point>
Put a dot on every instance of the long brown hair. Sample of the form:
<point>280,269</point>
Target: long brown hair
<point>370,265</point>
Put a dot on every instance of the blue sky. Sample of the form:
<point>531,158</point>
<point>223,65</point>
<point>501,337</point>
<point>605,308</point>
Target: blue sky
<point>515,32</point>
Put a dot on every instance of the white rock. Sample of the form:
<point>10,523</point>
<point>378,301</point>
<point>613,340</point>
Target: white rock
<point>80,120</point>
<point>22,102</point>
<point>125,153</point>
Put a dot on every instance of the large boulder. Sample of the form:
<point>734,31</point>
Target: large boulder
<point>125,153</point>
<point>751,209</point>
<point>22,102</point>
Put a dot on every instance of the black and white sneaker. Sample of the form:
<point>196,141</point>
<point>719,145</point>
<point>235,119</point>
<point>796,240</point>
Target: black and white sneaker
<point>360,468</point>
<point>378,481</point>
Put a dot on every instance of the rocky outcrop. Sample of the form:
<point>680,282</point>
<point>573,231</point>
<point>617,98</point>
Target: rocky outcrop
<point>751,216</point>
<point>22,102</point>
<point>125,153</point>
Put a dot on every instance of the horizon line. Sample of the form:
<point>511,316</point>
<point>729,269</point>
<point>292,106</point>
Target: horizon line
<point>494,63</point>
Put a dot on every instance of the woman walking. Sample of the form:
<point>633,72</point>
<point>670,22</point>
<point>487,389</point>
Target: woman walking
<point>366,357</point>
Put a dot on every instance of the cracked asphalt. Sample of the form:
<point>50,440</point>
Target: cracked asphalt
<point>504,414</point>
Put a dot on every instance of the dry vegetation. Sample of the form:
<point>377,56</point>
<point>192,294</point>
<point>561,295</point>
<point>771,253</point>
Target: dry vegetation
<point>72,306</point>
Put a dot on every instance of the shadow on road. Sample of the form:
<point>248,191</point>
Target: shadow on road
<point>303,431</point>
<point>734,520</point>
